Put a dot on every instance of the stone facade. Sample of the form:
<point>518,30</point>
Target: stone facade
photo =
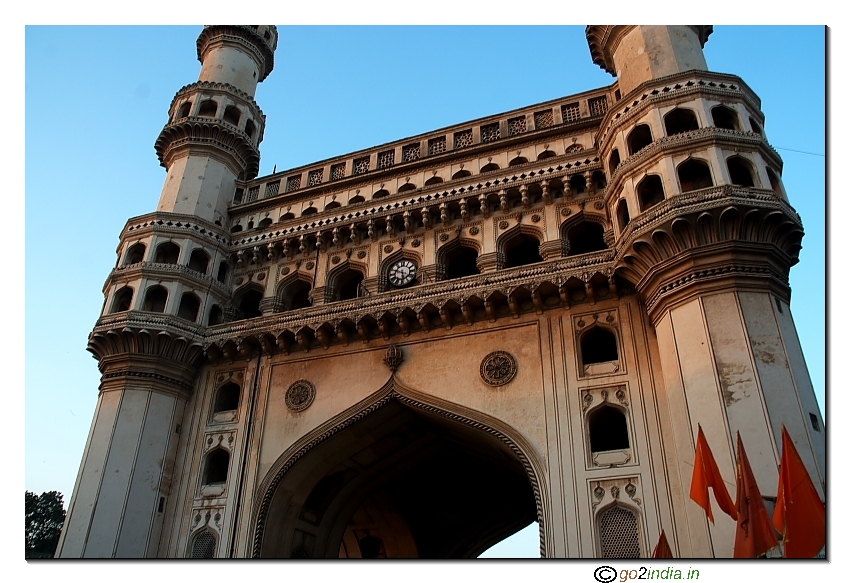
<point>418,349</point>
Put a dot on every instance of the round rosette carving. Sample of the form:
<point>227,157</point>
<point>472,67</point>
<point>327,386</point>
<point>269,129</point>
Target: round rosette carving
<point>498,368</point>
<point>300,395</point>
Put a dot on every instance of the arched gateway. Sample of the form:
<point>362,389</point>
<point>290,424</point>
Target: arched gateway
<point>399,475</point>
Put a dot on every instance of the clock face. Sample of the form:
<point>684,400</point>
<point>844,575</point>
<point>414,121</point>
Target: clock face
<point>402,272</point>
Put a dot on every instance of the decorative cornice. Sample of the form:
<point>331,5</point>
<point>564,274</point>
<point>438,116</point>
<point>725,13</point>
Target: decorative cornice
<point>215,87</point>
<point>603,40</point>
<point>183,225</point>
<point>206,132</point>
<point>125,273</point>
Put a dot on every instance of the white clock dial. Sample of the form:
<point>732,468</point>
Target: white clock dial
<point>402,272</point>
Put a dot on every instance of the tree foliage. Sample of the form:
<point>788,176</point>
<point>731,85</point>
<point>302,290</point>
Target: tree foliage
<point>44,518</point>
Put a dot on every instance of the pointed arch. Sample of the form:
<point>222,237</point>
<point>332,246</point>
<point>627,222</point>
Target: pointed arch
<point>458,258</point>
<point>394,391</point>
<point>388,261</point>
<point>294,292</point>
<point>519,246</point>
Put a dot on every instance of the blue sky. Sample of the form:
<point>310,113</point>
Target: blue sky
<point>96,98</point>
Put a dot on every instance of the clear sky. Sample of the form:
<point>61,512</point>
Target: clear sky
<point>97,97</point>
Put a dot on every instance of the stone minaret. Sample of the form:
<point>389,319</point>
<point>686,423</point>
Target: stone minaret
<point>169,283</point>
<point>705,233</point>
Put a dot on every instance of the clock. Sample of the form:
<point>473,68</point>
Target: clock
<point>402,272</point>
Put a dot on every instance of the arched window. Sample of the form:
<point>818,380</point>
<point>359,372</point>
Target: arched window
<point>167,253</point>
<point>199,261</point>
<point>599,180</point>
<point>724,118</point>
<point>185,109</point>
<point>215,470</point>
<point>756,127</point>
<point>679,121</point>
<point>623,213</point>
<point>380,194</point>
<point>650,192</point>
<point>189,304</point>
<point>618,533</point>
<point>232,115</point>
<point>461,174</point>
<point>332,205</point>
<point>522,249</point>
<point>347,285</point>
<point>639,138</point>
<point>460,262</point>
<point>586,237</point>
<point>598,345</point>
<point>491,167</point>
<point>546,154</point>
<point>407,187</point>
<point>613,161</point>
<point>578,184</point>
<point>249,304</point>
<point>222,272</point>
<point>309,211</point>
<point>227,398</point>
<point>203,545</point>
<point>295,296</point>
<point>775,184</point>
<point>250,128</point>
<point>356,199</point>
<point>433,180</point>
<point>208,108</point>
<point>693,175</point>
<point>216,316</point>
<point>517,161</point>
<point>740,171</point>
<point>122,300</point>
<point>607,429</point>
<point>135,254</point>
<point>155,299</point>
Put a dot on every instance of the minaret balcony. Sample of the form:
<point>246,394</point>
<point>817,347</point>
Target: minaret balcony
<point>170,271</point>
<point>203,133</point>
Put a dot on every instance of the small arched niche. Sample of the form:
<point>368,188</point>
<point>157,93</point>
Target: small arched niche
<point>199,261</point>
<point>433,180</point>
<point>208,108</point>
<point>622,214</point>
<point>216,315</point>
<point>639,138</point>
<point>585,237</point>
<point>491,167</point>
<point>650,192</point>
<point>607,429</point>
<point>226,402</point>
<point>135,254</point>
<point>122,300</point>
<point>248,303</point>
<point>184,110</point>
<point>679,121</point>
<point>203,545</point>
<point>216,466</point>
<point>740,171</point>
<point>250,128</point>
<point>347,285</point>
<point>155,299</point>
<point>521,249</point>
<point>724,118</point>
<point>694,175</point>
<point>613,161</point>
<point>232,115</point>
<point>189,305</point>
<point>295,295</point>
<point>599,352</point>
<point>460,261</point>
<point>461,174</point>
<point>167,252</point>
<point>546,154</point>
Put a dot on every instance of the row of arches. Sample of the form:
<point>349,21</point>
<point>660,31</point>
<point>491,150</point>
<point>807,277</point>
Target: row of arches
<point>693,174</point>
<point>677,121</point>
<point>210,107</point>
<point>156,299</point>
<point>455,260</point>
<point>168,252</point>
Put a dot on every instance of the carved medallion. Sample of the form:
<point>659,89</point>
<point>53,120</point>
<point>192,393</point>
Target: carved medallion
<point>388,248</point>
<point>393,357</point>
<point>498,368</point>
<point>310,265</point>
<point>361,254</point>
<point>535,218</point>
<point>335,259</point>
<point>473,230</point>
<point>503,225</point>
<point>416,243</point>
<point>300,395</point>
<point>444,237</point>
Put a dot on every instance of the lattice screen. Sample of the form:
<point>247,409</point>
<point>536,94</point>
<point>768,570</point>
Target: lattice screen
<point>618,533</point>
<point>203,547</point>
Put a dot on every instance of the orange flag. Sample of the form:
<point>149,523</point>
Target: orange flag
<point>800,515</point>
<point>707,475</point>
<point>754,535</point>
<point>662,549</point>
